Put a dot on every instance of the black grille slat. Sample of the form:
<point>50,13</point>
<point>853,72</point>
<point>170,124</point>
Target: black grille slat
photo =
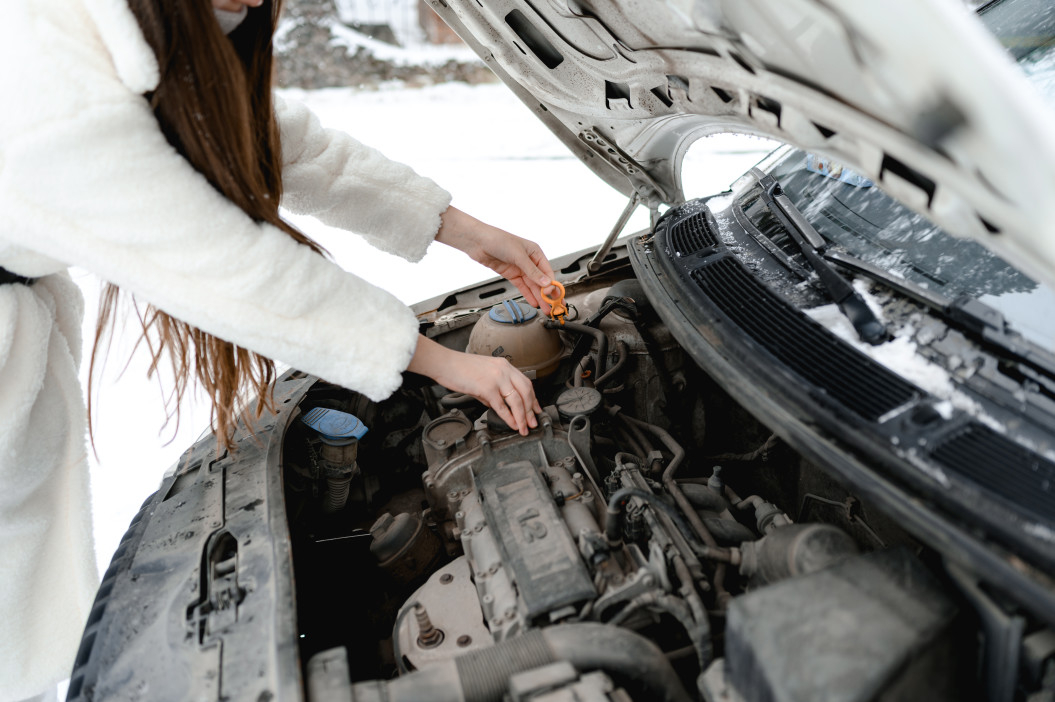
<point>1002,467</point>
<point>806,348</point>
<point>692,234</point>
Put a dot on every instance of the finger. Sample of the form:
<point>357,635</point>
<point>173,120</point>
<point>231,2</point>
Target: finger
<point>529,294</point>
<point>527,259</point>
<point>526,394</point>
<point>515,402</point>
<point>498,404</point>
<point>542,262</point>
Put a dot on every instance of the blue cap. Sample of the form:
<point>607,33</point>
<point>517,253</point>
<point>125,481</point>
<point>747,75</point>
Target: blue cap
<point>335,425</point>
<point>510,312</point>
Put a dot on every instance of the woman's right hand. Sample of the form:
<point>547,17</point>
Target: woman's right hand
<point>493,381</point>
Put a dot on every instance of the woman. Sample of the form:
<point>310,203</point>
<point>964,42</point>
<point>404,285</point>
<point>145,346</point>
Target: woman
<point>138,142</point>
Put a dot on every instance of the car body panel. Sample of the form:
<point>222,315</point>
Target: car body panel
<point>196,603</point>
<point>913,94</point>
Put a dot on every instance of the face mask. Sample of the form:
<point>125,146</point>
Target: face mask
<point>229,21</point>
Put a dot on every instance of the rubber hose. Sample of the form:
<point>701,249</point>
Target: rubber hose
<point>703,497</point>
<point>597,334</point>
<point>483,675</point>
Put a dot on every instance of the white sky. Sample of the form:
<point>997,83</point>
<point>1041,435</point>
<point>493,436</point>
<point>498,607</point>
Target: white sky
<point>500,164</point>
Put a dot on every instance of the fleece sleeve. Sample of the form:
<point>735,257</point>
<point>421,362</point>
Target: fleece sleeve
<point>102,189</point>
<point>333,177</point>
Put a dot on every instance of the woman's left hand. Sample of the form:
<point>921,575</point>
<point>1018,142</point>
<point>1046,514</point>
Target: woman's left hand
<point>517,260</point>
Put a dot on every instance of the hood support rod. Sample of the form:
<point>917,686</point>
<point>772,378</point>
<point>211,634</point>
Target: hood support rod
<point>598,258</point>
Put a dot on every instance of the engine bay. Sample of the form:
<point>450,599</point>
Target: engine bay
<point>648,540</point>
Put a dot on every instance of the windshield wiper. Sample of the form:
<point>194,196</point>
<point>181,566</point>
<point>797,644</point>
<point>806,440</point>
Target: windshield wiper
<point>812,244</point>
<point>965,313</point>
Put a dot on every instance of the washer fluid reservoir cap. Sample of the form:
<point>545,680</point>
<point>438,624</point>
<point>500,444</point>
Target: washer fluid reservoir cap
<point>334,425</point>
<point>510,312</point>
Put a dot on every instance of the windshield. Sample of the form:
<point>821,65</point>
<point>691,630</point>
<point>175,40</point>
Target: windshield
<point>852,213</point>
<point>1026,28</point>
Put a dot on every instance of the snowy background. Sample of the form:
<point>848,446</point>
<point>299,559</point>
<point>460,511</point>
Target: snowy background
<point>479,142</point>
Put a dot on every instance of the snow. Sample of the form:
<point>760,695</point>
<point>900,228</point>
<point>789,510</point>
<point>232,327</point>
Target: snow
<point>899,354</point>
<point>413,52</point>
<point>1040,531</point>
<point>401,16</point>
<point>1041,73</point>
<point>500,164</point>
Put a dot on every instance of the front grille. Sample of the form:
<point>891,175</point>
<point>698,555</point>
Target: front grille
<point>1001,467</point>
<point>692,234</point>
<point>806,348</point>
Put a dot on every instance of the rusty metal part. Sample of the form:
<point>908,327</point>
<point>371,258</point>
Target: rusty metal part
<point>428,635</point>
<point>405,548</point>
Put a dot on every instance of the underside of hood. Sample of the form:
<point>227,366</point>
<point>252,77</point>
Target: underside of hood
<point>914,94</point>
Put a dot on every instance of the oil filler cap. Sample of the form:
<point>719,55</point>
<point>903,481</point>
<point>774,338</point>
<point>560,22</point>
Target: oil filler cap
<point>510,312</point>
<point>335,425</point>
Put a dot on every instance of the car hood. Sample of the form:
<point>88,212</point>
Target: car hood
<point>914,94</point>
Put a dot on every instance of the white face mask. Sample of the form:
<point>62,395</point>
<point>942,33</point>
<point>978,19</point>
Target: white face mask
<point>229,21</point>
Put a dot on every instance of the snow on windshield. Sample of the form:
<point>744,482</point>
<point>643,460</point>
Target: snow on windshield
<point>1041,73</point>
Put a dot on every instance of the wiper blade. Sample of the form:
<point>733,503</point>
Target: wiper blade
<point>965,313</point>
<point>812,244</point>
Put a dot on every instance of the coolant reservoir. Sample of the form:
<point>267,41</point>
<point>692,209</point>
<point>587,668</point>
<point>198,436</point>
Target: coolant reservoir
<point>514,330</point>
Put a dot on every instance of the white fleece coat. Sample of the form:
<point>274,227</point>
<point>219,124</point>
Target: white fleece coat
<point>87,179</point>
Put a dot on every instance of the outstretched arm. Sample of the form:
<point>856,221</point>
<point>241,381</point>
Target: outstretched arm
<point>519,260</point>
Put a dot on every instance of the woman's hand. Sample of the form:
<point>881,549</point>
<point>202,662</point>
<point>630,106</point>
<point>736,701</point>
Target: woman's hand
<point>493,381</point>
<point>517,260</point>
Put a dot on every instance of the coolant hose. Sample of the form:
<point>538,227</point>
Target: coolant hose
<point>599,336</point>
<point>712,550</point>
<point>483,675</point>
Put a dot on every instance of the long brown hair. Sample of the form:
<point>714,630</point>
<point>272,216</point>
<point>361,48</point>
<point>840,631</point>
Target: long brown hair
<point>214,106</point>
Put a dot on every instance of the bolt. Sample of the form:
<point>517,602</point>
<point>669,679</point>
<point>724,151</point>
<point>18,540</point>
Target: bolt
<point>510,613</point>
<point>428,635</point>
<point>452,495</point>
<point>446,579</point>
<point>464,640</point>
<point>441,442</point>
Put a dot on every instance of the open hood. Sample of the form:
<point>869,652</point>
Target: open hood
<point>914,94</point>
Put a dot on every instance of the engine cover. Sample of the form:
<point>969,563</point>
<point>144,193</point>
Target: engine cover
<point>533,539</point>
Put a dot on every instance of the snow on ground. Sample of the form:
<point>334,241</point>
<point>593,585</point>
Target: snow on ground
<point>500,164</point>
